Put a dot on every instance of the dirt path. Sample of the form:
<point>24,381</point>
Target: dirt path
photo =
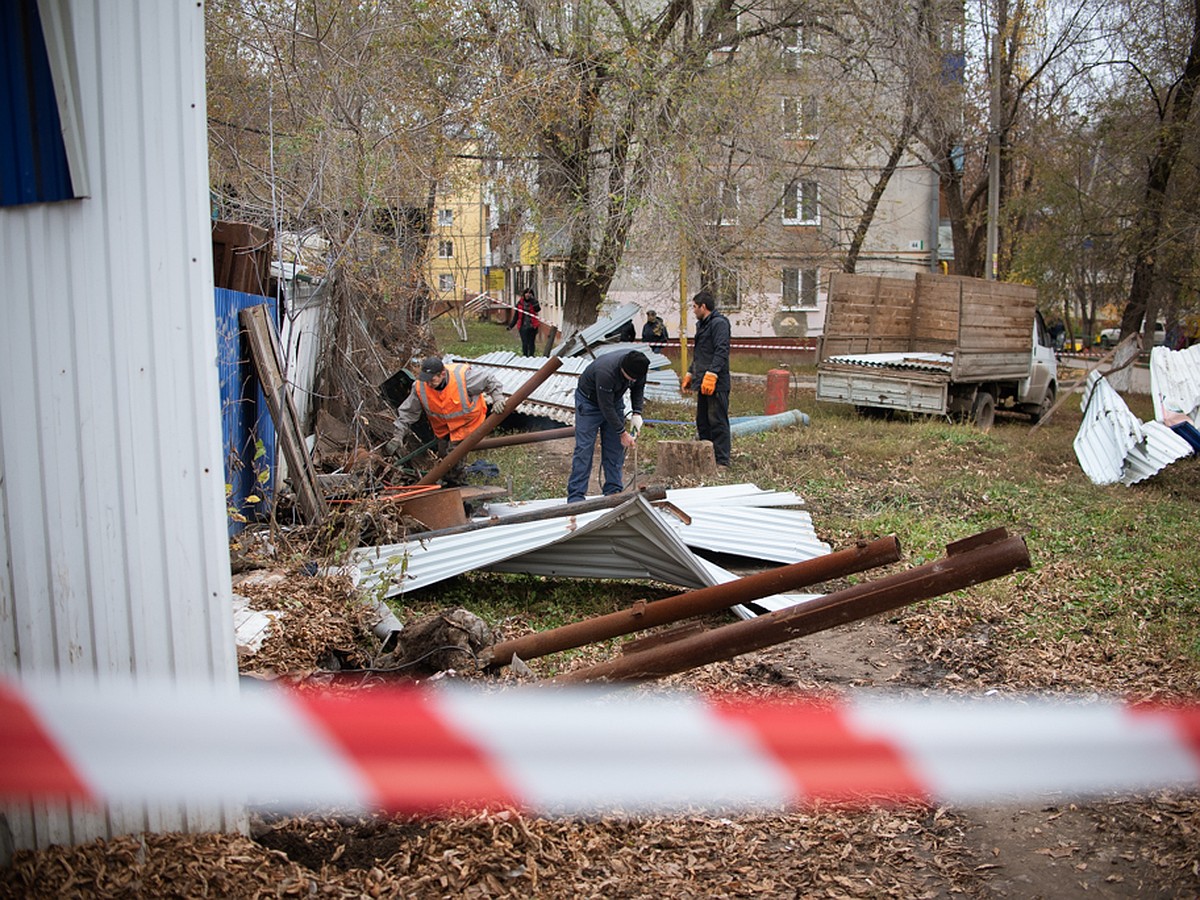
<point>1128,848</point>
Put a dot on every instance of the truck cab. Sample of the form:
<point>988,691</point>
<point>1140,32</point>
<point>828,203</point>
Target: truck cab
<point>1036,394</point>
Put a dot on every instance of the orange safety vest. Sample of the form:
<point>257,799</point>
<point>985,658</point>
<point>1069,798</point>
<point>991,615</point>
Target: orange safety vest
<point>451,412</point>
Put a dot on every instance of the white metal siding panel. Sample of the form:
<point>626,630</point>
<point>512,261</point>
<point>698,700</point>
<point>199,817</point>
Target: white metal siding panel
<point>1113,445</point>
<point>113,545</point>
<point>1175,381</point>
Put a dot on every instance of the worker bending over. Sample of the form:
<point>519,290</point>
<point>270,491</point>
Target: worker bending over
<point>600,409</point>
<point>452,398</point>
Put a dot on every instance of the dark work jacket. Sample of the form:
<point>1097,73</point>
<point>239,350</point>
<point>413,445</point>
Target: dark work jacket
<point>625,334</point>
<point>655,331</point>
<point>603,384</point>
<point>710,351</point>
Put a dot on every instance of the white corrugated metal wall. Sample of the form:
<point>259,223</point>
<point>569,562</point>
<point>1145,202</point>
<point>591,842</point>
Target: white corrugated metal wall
<point>113,552</point>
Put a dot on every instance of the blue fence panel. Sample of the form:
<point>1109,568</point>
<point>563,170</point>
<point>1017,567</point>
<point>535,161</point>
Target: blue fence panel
<point>245,419</point>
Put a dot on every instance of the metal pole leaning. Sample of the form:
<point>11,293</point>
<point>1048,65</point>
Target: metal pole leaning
<point>526,437</point>
<point>643,615</point>
<point>979,558</point>
<point>489,424</point>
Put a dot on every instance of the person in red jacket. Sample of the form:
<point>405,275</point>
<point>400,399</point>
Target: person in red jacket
<point>526,321</point>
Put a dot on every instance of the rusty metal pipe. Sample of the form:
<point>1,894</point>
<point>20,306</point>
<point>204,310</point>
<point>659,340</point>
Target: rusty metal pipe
<point>977,559</point>
<point>526,437</point>
<point>643,615</point>
<point>489,424</point>
<point>651,493</point>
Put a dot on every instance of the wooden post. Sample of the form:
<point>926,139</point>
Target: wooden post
<point>685,458</point>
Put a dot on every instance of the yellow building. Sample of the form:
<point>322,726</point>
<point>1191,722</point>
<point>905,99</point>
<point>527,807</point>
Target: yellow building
<point>460,251</point>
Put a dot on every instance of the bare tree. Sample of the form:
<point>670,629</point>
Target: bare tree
<point>1163,43</point>
<point>596,94</point>
<point>338,118</point>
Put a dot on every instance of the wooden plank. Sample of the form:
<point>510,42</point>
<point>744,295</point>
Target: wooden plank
<point>268,362</point>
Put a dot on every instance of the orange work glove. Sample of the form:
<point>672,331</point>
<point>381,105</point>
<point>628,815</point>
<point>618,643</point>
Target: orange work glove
<point>708,386</point>
<point>686,384</point>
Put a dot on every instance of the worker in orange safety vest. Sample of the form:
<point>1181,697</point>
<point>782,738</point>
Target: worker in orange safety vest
<point>452,399</point>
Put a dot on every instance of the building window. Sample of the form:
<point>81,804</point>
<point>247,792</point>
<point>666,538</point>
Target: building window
<point>800,117</point>
<point>796,42</point>
<point>446,249</point>
<point>801,203</point>
<point>808,117</point>
<point>725,205</point>
<point>800,288</point>
<point>446,283</point>
<point>723,284</point>
<point>446,218</point>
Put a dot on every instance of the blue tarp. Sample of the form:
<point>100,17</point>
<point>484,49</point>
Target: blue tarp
<point>245,419</point>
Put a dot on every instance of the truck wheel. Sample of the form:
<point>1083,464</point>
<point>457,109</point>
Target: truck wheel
<point>1044,407</point>
<point>983,413</point>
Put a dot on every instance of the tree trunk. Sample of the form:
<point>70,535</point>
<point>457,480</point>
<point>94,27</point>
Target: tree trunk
<point>885,176</point>
<point>1149,221</point>
<point>685,458</point>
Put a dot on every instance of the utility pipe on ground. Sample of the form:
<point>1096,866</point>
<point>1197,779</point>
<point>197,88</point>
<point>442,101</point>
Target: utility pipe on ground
<point>526,437</point>
<point>982,557</point>
<point>697,603</point>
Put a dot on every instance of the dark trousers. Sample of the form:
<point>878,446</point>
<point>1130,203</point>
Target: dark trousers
<point>712,423</point>
<point>589,422</point>
<point>528,340</point>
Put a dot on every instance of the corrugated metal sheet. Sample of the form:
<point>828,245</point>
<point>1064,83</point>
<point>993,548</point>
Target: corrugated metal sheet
<point>113,552</point>
<point>922,362</point>
<point>723,495</point>
<point>633,541</point>
<point>300,336</point>
<point>735,519</point>
<point>1175,381</point>
<point>629,541</point>
<point>555,397</point>
<point>687,499</point>
<point>594,334</point>
<point>1113,445</point>
<point>775,535</point>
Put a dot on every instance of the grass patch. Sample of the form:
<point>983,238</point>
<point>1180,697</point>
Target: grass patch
<point>1115,574</point>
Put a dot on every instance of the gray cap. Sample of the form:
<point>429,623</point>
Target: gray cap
<point>431,368</point>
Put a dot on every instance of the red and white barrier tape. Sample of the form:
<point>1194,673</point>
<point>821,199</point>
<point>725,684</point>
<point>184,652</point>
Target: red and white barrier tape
<point>577,750</point>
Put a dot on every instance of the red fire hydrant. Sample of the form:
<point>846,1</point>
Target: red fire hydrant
<point>777,391</point>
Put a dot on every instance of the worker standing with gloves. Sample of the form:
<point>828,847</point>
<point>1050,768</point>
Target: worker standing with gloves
<point>452,398</point>
<point>709,375</point>
<point>600,409</point>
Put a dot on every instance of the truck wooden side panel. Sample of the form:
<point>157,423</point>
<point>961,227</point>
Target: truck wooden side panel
<point>867,315</point>
<point>921,392</point>
<point>989,325</point>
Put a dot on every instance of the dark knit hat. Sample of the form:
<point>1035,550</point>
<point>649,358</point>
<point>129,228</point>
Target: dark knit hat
<point>635,364</point>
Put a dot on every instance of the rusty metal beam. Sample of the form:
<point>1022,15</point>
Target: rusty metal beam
<point>526,437</point>
<point>697,603</point>
<point>489,424</point>
<point>650,493</point>
<point>979,558</point>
